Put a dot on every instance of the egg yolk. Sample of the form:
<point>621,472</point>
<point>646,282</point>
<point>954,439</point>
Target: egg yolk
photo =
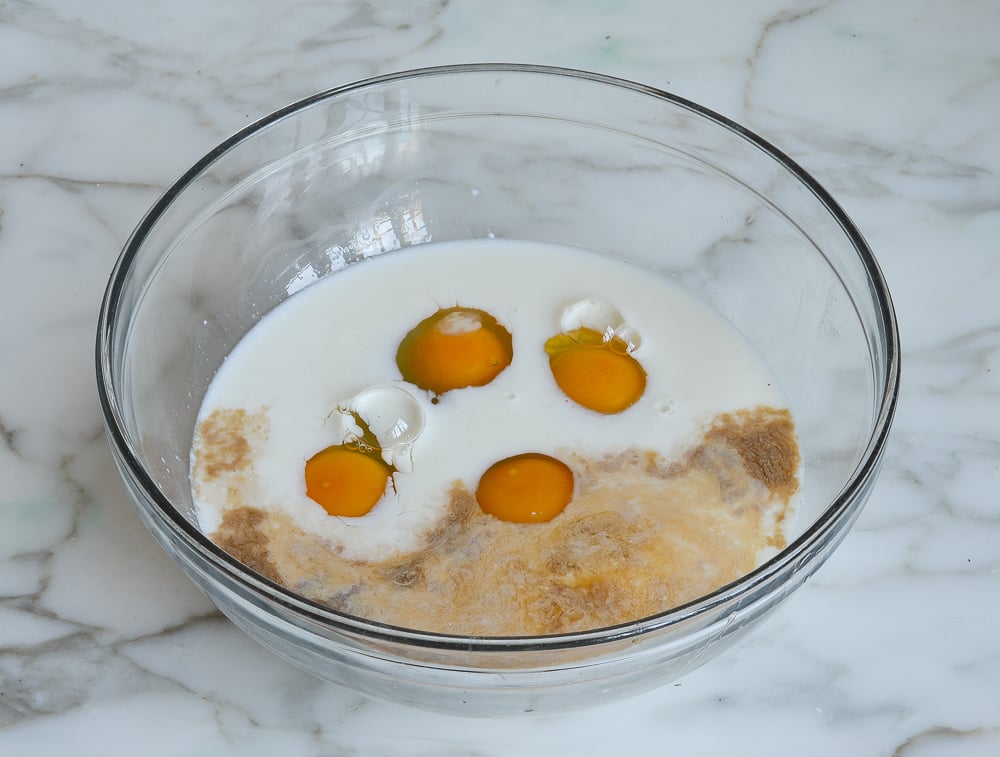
<point>528,488</point>
<point>346,480</point>
<point>455,348</point>
<point>598,374</point>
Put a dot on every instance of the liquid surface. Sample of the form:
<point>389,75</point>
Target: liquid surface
<point>681,491</point>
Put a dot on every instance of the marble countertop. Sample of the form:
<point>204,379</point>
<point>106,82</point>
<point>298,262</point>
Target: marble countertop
<point>892,648</point>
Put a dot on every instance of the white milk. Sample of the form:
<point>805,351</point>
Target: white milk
<point>336,338</point>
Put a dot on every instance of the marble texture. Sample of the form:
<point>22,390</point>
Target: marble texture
<point>891,649</point>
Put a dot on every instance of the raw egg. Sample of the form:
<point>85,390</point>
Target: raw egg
<point>528,488</point>
<point>455,348</point>
<point>592,361</point>
<point>378,428</point>
<point>347,479</point>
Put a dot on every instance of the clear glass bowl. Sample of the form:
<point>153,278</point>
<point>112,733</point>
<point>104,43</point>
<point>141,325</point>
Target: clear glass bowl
<point>497,151</point>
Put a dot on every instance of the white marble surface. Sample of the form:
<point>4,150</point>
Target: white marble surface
<point>893,648</point>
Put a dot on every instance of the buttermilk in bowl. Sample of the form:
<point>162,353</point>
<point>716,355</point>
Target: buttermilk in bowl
<point>496,439</point>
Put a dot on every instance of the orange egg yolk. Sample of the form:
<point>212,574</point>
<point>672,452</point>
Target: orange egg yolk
<point>600,375</point>
<point>455,348</point>
<point>528,488</point>
<point>345,480</point>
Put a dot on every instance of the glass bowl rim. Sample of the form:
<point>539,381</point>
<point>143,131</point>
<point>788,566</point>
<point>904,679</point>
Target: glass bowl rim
<point>788,559</point>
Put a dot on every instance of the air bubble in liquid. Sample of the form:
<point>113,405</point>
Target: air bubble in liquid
<point>666,407</point>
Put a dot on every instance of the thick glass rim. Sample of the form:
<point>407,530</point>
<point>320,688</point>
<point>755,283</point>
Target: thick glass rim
<point>786,560</point>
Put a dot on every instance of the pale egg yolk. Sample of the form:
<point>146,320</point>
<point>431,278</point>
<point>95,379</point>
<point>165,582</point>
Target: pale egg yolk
<point>346,480</point>
<point>528,488</point>
<point>599,374</point>
<point>455,348</point>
